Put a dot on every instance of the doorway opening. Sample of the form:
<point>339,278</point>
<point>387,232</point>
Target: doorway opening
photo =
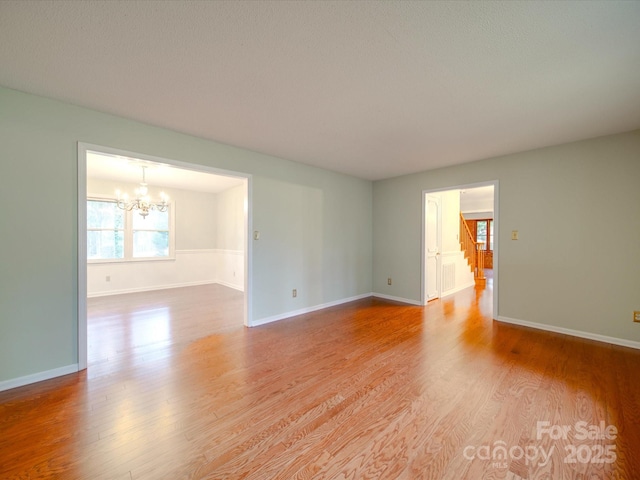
<point>447,266</point>
<point>197,238</point>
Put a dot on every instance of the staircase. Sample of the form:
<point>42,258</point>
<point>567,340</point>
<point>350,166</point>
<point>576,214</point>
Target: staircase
<point>474,252</point>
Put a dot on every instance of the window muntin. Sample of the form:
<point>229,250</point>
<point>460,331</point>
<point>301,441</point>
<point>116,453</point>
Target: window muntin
<point>116,235</point>
<point>484,233</point>
<point>151,235</point>
<point>105,230</point>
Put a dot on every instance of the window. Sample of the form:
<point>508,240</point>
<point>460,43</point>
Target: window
<point>114,234</point>
<point>484,233</point>
<point>105,230</point>
<point>151,235</point>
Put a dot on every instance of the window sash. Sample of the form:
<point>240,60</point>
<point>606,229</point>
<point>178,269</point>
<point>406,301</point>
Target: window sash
<point>153,244</point>
<point>111,248</point>
<point>487,235</point>
<point>150,244</point>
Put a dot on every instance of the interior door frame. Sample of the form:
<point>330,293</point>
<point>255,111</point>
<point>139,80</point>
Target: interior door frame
<point>82,232</point>
<point>496,237</point>
<point>438,255</point>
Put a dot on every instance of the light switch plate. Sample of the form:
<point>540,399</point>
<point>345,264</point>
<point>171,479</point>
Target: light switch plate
<point>514,234</point>
<point>636,316</point>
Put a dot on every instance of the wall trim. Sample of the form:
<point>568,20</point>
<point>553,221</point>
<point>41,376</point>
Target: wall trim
<point>302,311</point>
<point>240,288</point>
<point>209,250</point>
<point>456,290</point>
<point>230,252</point>
<point>38,377</point>
<point>480,214</point>
<point>574,333</point>
<point>496,237</point>
<point>397,299</point>
<point>196,251</point>
<point>150,289</point>
<point>81,193</point>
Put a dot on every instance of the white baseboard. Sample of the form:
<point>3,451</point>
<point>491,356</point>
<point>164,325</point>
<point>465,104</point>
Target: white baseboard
<point>150,289</point>
<point>38,377</point>
<point>574,333</point>
<point>57,372</point>
<point>302,311</point>
<point>456,290</point>
<point>397,299</point>
<point>240,288</point>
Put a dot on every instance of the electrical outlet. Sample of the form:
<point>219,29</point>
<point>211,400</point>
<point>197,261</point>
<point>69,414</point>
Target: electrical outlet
<point>636,316</point>
<point>294,293</point>
<point>389,281</point>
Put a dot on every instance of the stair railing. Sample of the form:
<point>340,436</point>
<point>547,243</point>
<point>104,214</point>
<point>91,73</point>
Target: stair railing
<point>473,250</point>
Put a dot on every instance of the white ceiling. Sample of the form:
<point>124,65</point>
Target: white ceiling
<point>371,88</point>
<point>129,170</point>
<point>478,199</point>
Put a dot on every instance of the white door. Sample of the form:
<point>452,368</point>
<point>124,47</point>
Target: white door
<point>432,245</point>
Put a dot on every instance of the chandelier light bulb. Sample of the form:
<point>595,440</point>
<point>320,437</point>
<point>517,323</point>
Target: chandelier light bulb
<point>142,202</point>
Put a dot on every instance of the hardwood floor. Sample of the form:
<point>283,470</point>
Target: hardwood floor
<point>177,388</point>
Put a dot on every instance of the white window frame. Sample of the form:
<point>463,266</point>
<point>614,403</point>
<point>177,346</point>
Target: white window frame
<point>128,235</point>
<point>123,230</point>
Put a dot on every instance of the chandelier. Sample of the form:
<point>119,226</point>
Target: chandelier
<point>142,202</point>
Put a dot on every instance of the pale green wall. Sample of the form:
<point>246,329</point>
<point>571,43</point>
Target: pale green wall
<point>229,218</point>
<point>196,219</point>
<point>318,240</point>
<point>577,209</point>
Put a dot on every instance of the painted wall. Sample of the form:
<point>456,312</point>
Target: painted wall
<point>209,244</point>
<point>576,207</point>
<point>229,218</point>
<point>577,210</point>
<point>312,243</point>
<point>315,225</point>
<point>188,268</point>
<point>230,237</point>
<point>471,204</point>
<point>450,205</point>
<point>195,220</point>
<point>451,249</point>
<point>478,215</point>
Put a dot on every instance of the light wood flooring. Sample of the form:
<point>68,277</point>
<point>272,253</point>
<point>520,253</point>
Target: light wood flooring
<point>177,388</point>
